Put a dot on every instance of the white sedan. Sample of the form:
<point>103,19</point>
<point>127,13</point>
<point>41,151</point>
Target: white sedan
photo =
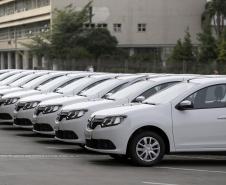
<point>24,109</point>
<point>187,117</point>
<point>47,111</point>
<point>73,119</point>
<point>8,101</point>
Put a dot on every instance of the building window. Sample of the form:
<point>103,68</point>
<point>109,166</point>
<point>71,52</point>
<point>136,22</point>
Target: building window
<point>102,25</point>
<point>117,27</point>
<point>142,27</point>
<point>92,26</point>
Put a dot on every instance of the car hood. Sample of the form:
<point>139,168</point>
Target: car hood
<point>21,94</point>
<point>11,90</point>
<point>40,97</point>
<point>123,110</point>
<point>63,100</point>
<point>87,105</point>
<point>4,87</point>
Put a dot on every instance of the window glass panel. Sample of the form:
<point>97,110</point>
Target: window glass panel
<point>210,97</point>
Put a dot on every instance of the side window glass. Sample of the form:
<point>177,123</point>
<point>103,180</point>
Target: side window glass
<point>210,97</point>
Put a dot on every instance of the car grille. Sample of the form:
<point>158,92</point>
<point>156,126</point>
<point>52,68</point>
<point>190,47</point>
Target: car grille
<point>66,134</point>
<point>38,110</point>
<point>93,123</point>
<point>43,127</point>
<point>19,106</point>
<point>22,122</point>
<point>5,116</point>
<point>100,144</point>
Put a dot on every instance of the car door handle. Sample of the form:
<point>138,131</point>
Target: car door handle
<point>222,118</point>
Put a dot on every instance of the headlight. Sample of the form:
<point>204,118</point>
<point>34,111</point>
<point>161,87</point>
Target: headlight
<point>75,114</point>
<point>10,101</point>
<point>112,121</point>
<point>31,105</point>
<point>51,108</point>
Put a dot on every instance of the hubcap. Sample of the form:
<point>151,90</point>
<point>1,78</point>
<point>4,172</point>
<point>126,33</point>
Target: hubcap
<point>148,149</point>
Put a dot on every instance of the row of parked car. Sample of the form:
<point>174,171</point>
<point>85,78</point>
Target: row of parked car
<point>140,117</point>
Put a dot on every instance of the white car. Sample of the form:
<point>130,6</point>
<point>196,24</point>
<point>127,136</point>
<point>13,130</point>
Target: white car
<point>187,117</point>
<point>47,111</point>
<point>13,78</point>
<point>24,109</point>
<point>72,120</point>
<point>8,74</point>
<point>8,101</point>
<point>18,84</point>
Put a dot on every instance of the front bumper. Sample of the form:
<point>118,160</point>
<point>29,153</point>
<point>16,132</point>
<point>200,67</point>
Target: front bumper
<point>23,118</point>
<point>6,113</point>
<point>72,131</point>
<point>110,140</point>
<point>45,119</point>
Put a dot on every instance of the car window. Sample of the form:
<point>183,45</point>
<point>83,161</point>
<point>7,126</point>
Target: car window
<point>24,80</point>
<point>210,97</point>
<point>171,93</point>
<point>155,89</point>
<point>66,83</point>
<point>90,86</point>
<point>47,81</point>
<point>116,89</point>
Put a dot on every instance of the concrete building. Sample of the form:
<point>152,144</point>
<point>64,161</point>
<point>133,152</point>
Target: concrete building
<point>138,24</point>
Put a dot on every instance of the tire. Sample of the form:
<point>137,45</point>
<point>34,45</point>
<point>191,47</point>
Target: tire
<point>146,155</point>
<point>119,157</point>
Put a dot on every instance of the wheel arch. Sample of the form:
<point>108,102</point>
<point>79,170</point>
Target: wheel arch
<point>154,129</point>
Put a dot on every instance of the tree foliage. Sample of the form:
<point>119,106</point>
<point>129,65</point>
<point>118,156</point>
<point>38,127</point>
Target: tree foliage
<point>208,46</point>
<point>69,39</point>
<point>215,14</point>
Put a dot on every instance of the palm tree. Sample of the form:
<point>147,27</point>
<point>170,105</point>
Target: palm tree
<point>215,14</point>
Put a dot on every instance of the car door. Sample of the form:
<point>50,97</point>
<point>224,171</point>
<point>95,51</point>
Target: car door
<point>202,127</point>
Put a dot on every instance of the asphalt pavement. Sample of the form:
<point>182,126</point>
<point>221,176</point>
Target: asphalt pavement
<point>28,159</point>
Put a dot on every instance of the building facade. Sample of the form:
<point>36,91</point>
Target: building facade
<point>137,24</point>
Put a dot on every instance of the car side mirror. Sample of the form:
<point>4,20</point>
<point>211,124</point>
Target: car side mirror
<point>186,104</point>
<point>139,99</point>
<point>108,95</point>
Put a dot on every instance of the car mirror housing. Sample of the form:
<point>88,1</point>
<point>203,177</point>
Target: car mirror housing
<point>140,99</point>
<point>184,105</point>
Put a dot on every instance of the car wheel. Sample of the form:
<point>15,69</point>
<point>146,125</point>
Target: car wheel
<point>119,157</point>
<point>146,149</point>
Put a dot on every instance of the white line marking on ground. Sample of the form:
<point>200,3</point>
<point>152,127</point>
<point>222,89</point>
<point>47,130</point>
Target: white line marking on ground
<point>34,156</point>
<point>156,183</point>
<point>197,157</point>
<point>191,169</point>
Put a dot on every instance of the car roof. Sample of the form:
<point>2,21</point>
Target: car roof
<point>209,80</point>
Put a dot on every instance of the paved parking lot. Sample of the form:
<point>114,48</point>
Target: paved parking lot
<point>27,159</point>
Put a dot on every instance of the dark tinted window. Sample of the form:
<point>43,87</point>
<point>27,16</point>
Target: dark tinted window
<point>210,97</point>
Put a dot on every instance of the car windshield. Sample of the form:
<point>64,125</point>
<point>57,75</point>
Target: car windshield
<point>99,87</point>
<point>74,85</point>
<point>124,93</point>
<point>50,83</point>
<point>35,81</point>
<point>5,76</point>
<point>24,80</point>
<point>67,83</point>
<point>169,94</point>
<point>13,78</point>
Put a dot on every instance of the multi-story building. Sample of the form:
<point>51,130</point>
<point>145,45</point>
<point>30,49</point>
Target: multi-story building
<point>138,24</point>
